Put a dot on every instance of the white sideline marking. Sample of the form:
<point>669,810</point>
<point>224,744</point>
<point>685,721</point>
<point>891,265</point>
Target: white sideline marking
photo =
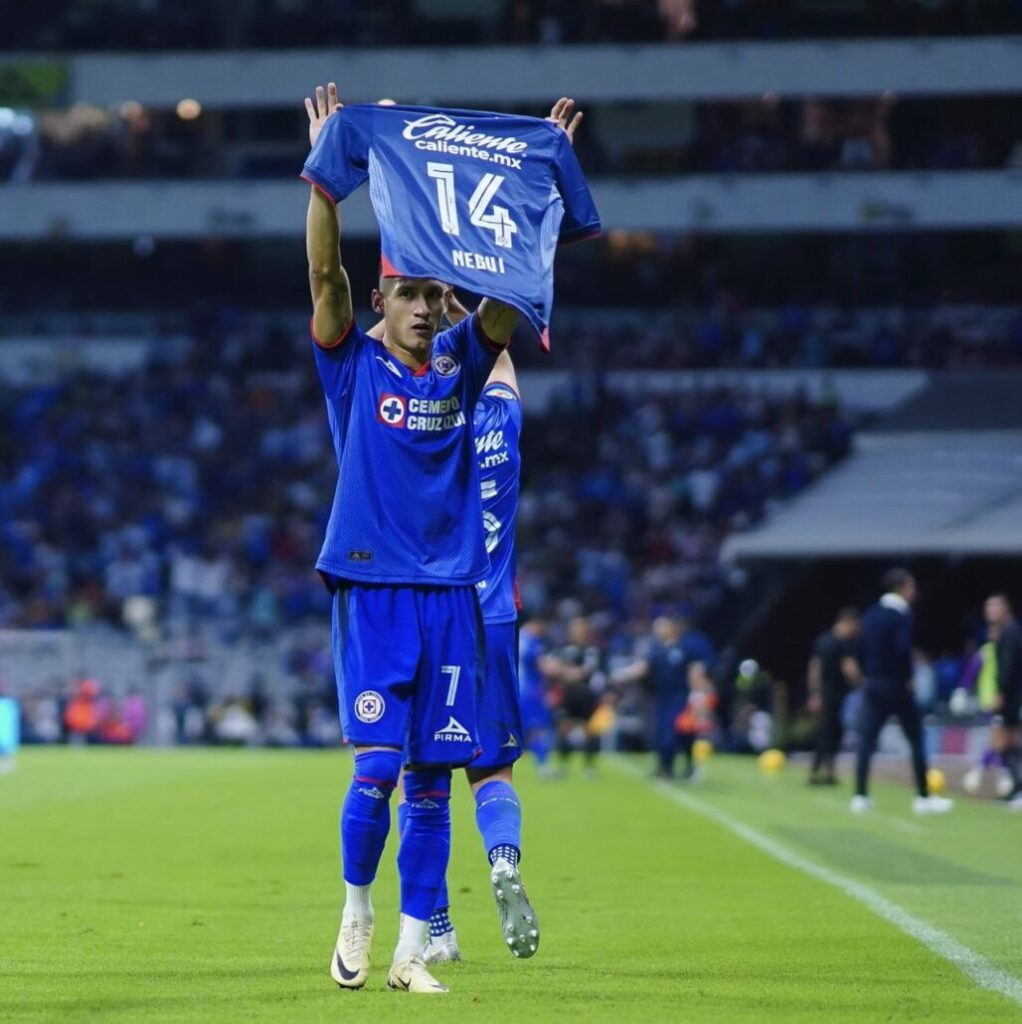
<point>978,968</point>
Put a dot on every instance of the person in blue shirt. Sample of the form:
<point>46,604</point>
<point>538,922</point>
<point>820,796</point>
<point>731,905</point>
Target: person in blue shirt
<point>497,426</point>
<point>404,549</point>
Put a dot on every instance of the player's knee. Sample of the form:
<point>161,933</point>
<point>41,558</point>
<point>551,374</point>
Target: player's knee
<point>428,795</point>
<point>479,777</point>
<point>376,777</point>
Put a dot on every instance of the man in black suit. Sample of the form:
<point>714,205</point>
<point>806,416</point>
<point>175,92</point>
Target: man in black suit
<point>833,670</point>
<point>887,634</point>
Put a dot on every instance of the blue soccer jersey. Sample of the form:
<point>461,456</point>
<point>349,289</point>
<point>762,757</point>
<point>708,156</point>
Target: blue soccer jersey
<point>476,199</point>
<point>407,508</point>
<point>498,427</point>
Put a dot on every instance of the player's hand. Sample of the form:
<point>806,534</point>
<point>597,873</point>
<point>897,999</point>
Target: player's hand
<point>453,309</point>
<point>326,104</point>
<point>560,115</point>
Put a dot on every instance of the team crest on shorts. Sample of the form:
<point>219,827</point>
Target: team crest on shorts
<point>446,366</point>
<point>369,706</point>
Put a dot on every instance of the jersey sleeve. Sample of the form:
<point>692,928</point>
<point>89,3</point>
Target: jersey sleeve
<point>581,219</point>
<point>476,354</point>
<point>504,398</point>
<point>339,162</point>
<point>336,363</point>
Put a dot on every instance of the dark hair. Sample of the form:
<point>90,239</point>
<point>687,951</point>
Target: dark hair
<point>895,579</point>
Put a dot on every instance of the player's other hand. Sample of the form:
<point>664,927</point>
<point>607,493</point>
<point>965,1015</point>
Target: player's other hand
<point>454,310</point>
<point>560,114</point>
<point>326,104</point>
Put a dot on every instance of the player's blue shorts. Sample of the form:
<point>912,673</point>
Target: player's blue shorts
<point>499,717</point>
<point>408,662</point>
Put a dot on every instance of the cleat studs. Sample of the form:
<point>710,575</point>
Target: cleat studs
<point>516,889</point>
<point>532,948</point>
<point>534,935</point>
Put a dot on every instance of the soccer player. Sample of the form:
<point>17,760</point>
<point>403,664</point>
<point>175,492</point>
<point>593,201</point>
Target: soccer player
<point>833,669</point>
<point>497,427</point>
<point>404,548</point>
<point>537,721</point>
<point>580,670</point>
<point>887,632</point>
<point>1007,638</point>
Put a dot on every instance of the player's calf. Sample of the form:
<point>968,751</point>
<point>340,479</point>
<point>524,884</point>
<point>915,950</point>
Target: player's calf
<point>365,822</point>
<point>422,864</point>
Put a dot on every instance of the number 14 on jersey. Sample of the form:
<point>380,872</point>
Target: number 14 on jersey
<point>497,219</point>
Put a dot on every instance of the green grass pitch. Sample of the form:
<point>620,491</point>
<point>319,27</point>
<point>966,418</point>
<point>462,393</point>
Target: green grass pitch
<point>142,886</point>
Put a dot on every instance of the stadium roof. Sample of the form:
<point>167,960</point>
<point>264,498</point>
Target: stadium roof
<point>934,492</point>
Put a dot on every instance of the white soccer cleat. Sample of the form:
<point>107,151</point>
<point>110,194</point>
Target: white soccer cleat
<point>442,949</point>
<point>932,805</point>
<point>1005,784</point>
<point>411,976</point>
<point>1015,803</point>
<point>861,804</point>
<point>349,966</point>
<point>518,922</point>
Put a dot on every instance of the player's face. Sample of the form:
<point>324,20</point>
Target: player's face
<point>412,308</point>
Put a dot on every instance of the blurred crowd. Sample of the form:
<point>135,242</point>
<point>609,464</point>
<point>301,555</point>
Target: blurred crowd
<point>196,487</point>
<point>756,136</point>
<point>727,336</point>
<point>163,24</point>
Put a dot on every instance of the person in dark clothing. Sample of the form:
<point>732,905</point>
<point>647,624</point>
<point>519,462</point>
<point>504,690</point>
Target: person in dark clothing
<point>578,669</point>
<point>833,670</point>
<point>1007,637</point>
<point>887,632</point>
<point>676,662</point>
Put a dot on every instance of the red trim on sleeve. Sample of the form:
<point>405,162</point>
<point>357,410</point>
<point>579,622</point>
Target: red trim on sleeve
<point>584,235</point>
<point>492,345</point>
<point>517,595</point>
<point>544,339</point>
<point>337,342</point>
<point>318,187</point>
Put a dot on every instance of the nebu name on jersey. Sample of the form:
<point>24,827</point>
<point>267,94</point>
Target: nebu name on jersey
<point>476,199</point>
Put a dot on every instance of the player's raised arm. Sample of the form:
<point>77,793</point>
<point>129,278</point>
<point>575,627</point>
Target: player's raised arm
<point>498,321</point>
<point>332,312</point>
<point>504,373</point>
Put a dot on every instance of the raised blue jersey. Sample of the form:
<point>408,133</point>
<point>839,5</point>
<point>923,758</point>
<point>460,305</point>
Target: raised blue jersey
<point>406,508</point>
<point>498,427</point>
<point>475,199</point>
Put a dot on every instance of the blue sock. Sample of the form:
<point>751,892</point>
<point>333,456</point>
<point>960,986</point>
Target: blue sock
<point>499,817</point>
<point>365,816</point>
<point>439,918</point>
<point>425,840</point>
